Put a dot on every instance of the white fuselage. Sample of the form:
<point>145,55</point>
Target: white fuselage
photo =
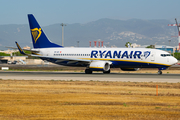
<point>120,57</point>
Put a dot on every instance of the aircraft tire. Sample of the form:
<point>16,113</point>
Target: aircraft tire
<point>88,71</point>
<point>159,72</point>
<point>106,72</point>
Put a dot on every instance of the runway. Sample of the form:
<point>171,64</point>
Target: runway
<point>125,77</point>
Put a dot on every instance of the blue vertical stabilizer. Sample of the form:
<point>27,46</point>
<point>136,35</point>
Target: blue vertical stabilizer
<point>39,39</point>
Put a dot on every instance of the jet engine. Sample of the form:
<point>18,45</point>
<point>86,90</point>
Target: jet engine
<point>129,69</point>
<point>99,66</point>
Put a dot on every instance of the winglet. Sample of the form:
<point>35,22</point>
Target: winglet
<point>20,50</point>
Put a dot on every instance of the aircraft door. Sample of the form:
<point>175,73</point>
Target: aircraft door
<point>142,57</point>
<point>47,53</point>
<point>153,56</point>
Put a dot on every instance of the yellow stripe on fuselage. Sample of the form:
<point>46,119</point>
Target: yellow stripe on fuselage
<point>97,67</point>
<point>124,60</point>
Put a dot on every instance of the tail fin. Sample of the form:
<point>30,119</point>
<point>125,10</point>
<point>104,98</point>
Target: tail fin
<point>38,37</point>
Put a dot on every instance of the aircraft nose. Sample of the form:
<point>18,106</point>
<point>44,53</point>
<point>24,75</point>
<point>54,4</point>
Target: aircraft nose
<point>174,60</point>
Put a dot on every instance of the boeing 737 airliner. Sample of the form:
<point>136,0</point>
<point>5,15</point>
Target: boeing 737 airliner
<point>96,59</point>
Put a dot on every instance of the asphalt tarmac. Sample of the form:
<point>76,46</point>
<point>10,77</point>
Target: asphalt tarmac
<point>77,76</point>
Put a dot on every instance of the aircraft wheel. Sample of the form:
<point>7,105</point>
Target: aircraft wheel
<point>88,71</point>
<point>159,72</point>
<point>106,72</point>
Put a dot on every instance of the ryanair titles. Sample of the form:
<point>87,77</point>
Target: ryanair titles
<point>119,54</point>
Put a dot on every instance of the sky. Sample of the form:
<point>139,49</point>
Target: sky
<point>49,12</point>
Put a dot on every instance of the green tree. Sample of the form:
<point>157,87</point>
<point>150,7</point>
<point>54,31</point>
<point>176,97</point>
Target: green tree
<point>127,44</point>
<point>177,56</point>
<point>150,46</point>
<point>4,54</point>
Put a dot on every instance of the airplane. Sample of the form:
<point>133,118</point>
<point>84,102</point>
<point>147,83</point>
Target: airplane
<point>95,59</point>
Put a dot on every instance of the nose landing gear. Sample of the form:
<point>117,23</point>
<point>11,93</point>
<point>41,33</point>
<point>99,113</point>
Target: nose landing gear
<point>160,72</point>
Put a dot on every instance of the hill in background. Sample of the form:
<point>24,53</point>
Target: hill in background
<point>112,32</point>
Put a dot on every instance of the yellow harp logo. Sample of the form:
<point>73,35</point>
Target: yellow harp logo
<point>36,33</point>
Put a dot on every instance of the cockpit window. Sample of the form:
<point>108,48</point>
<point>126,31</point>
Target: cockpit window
<point>164,55</point>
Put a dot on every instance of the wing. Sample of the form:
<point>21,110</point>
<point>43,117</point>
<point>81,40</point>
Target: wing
<point>54,58</point>
<point>62,59</point>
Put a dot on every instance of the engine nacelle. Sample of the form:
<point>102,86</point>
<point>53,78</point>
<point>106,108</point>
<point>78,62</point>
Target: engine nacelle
<point>99,66</point>
<point>129,69</point>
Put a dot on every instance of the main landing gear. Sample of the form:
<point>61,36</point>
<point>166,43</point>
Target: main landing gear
<point>106,72</point>
<point>159,72</point>
<point>88,71</point>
